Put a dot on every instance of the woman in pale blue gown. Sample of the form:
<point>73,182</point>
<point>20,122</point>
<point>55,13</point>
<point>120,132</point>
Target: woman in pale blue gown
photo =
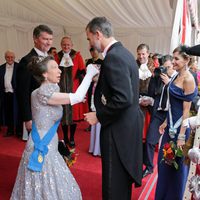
<point>182,90</point>
<point>43,173</point>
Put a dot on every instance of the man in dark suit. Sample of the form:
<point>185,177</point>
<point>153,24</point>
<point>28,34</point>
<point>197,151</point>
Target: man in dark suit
<point>9,109</point>
<point>117,109</point>
<point>43,38</point>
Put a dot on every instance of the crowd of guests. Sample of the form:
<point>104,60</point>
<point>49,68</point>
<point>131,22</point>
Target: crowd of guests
<point>167,94</point>
<point>131,105</point>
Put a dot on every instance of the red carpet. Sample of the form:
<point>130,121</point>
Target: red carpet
<point>150,187</point>
<point>86,170</point>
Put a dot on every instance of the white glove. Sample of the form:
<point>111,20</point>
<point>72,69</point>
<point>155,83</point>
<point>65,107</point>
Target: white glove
<point>191,122</point>
<point>92,69</point>
<point>80,93</point>
<point>194,155</point>
<point>146,100</point>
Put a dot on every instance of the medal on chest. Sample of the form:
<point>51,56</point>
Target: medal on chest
<point>103,100</point>
<point>40,158</point>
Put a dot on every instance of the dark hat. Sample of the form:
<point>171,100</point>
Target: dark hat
<point>193,51</point>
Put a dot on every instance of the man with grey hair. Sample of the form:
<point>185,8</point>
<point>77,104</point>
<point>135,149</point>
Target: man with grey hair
<point>9,109</point>
<point>43,38</point>
<point>117,109</point>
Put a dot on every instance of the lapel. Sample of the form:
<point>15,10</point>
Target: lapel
<point>100,84</point>
<point>13,80</point>
<point>116,44</point>
<point>60,55</point>
<point>3,69</point>
<point>33,52</point>
<point>72,53</point>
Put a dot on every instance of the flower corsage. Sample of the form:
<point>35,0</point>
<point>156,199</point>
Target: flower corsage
<point>170,153</point>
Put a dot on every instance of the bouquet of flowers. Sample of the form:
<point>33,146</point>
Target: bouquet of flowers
<point>170,153</point>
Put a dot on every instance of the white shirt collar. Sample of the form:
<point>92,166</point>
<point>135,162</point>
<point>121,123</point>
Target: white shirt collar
<point>108,46</point>
<point>9,66</point>
<point>40,53</point>
<point>144,63</point>
<point>64,53</point>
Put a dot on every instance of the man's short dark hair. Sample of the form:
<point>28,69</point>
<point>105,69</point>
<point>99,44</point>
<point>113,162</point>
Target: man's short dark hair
<point>100,24</point>
<point>143,46</point>
<point>51,49</point>
<point>41,28</point>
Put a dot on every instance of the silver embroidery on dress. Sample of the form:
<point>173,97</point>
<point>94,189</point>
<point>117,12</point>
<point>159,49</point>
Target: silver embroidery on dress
<point>55,182</point>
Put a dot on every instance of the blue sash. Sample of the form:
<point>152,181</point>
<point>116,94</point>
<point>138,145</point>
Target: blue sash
<point>173,127</point>
<point>36,159</point>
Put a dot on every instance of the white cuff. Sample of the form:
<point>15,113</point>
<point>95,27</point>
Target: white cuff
<point>80,93</point>
<point>193,122</point>
<point>75,98</point>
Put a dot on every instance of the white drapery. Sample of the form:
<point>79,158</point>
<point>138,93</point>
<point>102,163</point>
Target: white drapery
<point>134,21</point>
<point>185,27</point>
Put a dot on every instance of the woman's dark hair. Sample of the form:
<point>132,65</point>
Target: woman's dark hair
<point>51,49</point>
<point>182,53</point>
<point>38,66</point>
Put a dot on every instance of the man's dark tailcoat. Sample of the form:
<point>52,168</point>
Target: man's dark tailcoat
<point>2,94</point>
<point>118,111</point>
<point>26,83</point>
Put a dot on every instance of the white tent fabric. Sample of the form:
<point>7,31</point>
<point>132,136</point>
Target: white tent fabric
<point>134,21</point>
<point>179,25</point>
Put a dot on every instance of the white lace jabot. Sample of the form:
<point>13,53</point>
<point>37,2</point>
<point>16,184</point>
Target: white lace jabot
<point>144,72</point>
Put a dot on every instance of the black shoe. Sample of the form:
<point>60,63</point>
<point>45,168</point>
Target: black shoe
<point>63,149</point>
<point>146,172</point>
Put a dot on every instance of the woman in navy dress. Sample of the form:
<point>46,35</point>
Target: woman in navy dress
<point>182,89</point>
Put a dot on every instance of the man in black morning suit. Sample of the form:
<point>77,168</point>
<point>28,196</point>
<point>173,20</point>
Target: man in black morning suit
<point>9,108</point>
<point>26,83</point>
<point>118,111</point>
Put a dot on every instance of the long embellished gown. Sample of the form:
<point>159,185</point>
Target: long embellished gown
<point>171,182</point>
<point>55,181</point>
